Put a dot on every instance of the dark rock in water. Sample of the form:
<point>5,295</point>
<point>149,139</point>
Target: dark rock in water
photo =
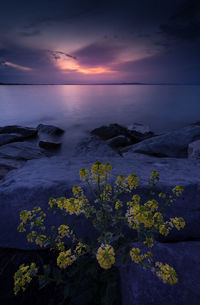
<point>49,129</point>
<point>21,151</point>
<point>7,138</point>
<point>25,131</point>
<point>49,145</point>
<point>107,132</point>
<point>119,141</point>
<point>140,286</point>
<point>141,128</point>
<point>172,144</point>
<point>115,130</point>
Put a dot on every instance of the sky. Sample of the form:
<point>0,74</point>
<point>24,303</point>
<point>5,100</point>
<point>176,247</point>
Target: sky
<point>57,41</point>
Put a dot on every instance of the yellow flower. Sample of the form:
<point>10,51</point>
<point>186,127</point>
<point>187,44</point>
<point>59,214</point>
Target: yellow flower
<point>65,259</point>
<point>133,181</point>
<point>118,204</point>
<point>137,257</point>
<point>106,256</point>
<point>84,173</point>
<point>178,190</point>
<point>163,230</point>
<point>41,240</point>
<point>77,191</point>
<point>166,273</point>
<point>80,248</point>
<point>63,230</point>
<point>177,222</point>
<point>162,195</point>
<point>24,276</point>
<point>136,199</point>
<point>154,175</point>
<point>25,215</point>
<point>107,192</point>
<point>149,242</point>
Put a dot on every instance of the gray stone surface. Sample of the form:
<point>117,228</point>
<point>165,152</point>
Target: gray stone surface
<point>6,138</point>
<point>173,144</point>
<point>25,131</point>
<point>22,151</point>
<point>49,129</point>
<point>194,150</point>
<point>119,141</point>
<point>40,179</point>
<point>49,144</point>
<point>140,287</point>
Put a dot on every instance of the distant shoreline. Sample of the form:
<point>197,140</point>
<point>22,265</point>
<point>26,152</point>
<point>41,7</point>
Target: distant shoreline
<point>102,84</point>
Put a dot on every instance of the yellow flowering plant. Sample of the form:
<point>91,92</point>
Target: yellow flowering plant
<point>119,216</point>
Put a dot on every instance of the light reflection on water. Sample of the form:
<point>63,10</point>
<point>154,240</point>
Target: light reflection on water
<point>79,109</point>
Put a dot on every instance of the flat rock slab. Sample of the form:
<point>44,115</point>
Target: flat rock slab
<point>40,179</point>
<point>6,138</point>
<point>25,131</point>
<point>172,144</point>
<point>140,287</point>
<point>22,151</point>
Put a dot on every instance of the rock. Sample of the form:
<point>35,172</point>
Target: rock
<point>141,128</point>
<point>38,180</point>
<point>49,129</point>
<point>6,138</point>
<point>114,130</point>
<point>194,150</point>
<point>21,151</point>
<point>173,144</point>
<point>49,145</point>
<point>119,141</point>
<point>7,165</point>
<point>25,131</point>
<point>93,147</point>
<point>107,132</point>
<point>140,287</point>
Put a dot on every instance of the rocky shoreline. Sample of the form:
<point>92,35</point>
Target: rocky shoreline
<point>31,172</point>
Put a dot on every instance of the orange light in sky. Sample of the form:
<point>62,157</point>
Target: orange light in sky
<point>70,64</point>
<point>19,67</point>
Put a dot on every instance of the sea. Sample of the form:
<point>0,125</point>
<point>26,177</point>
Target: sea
<point>80,108</point>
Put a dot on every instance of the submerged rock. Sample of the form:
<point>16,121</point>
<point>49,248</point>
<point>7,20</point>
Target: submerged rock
<point>140,286</point>
<point>172,144</point>
<point>49,129</point>
<point>194,150</point>
<point>22,151</point>
<point>25,131</point>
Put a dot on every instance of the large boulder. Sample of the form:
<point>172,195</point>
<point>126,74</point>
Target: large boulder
<point>113,131</point>
<point>49,129</point>
<point>22,151</point>
<point>194,150</point>
<point>140,286</point>
<point>25,131</point>
<point>38,180</point>
<point>172,144</point>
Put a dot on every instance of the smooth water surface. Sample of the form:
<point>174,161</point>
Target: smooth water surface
<point>78,108</point>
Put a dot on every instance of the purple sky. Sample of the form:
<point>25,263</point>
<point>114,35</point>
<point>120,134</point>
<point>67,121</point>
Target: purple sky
<point>93,42</point>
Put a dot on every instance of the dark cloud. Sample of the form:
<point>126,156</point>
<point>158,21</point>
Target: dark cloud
<point>184,23</point>
<point>33,32</point>
<point>97,54</point>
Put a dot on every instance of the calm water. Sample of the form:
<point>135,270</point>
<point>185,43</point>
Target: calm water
<point>78,109</point>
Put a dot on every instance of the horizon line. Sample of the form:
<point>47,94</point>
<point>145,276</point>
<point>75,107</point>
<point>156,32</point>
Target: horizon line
<point>96,84</point>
